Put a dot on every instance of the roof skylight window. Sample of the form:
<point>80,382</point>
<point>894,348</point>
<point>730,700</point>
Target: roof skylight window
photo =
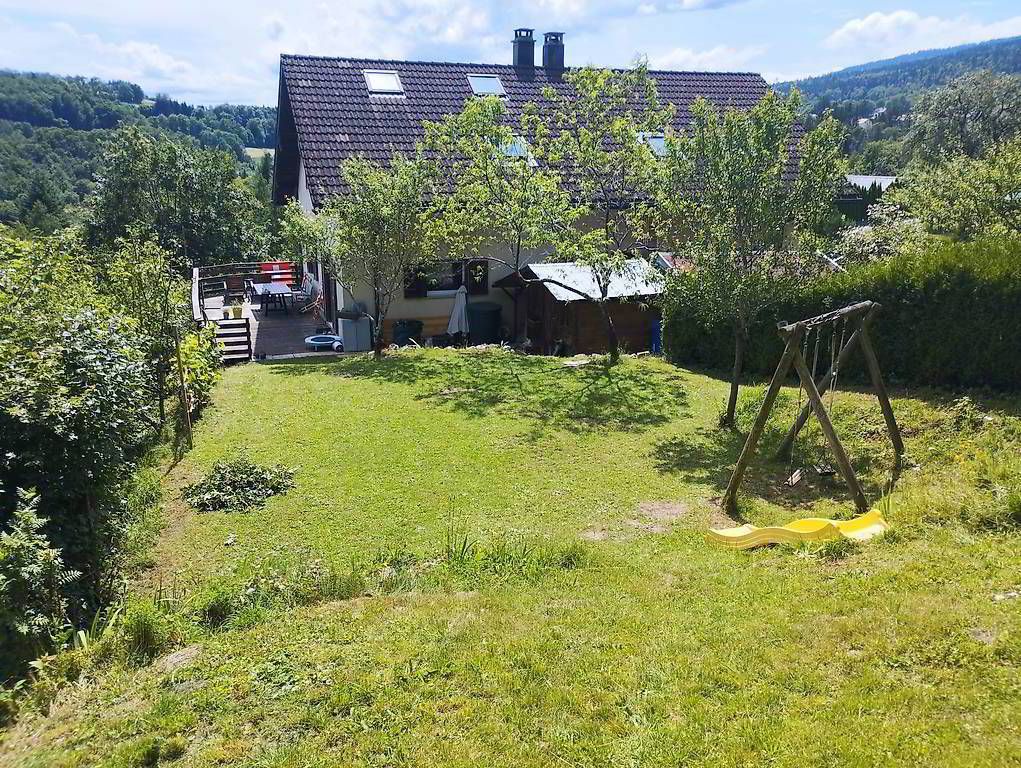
<point>656,142</point>
<point>383,81</point>
<point>486,85</point>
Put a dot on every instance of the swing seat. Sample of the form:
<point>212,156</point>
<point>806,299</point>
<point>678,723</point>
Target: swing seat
<point>861,528</point>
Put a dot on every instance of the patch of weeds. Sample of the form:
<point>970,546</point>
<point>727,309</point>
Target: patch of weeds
<point>831,551</point>
<point>275,586</point>
<point>146,631</point>
<point>508,558</point>
<point>9,702</point>
<point>143,499</point>
<point>236,484</point>
<point>997,473</point>
<point>950,651</point>
<point>152,751</point>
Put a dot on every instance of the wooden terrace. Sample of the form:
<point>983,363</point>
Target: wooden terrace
<point>265,329</point>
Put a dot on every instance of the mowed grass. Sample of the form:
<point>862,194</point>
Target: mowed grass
<point>643,645</point>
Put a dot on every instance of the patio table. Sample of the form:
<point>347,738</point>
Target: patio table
<point>275,293</point>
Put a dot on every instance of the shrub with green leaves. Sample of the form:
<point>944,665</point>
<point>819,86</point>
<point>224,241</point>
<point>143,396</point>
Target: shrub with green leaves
<point>33,604</point>
<point>200,358</point>
<point>951,316</point>
<point>236,484</point>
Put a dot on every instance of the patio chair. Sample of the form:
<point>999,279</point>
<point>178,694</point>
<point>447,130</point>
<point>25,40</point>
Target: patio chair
<point>312,295</point>
<point>250,293</point>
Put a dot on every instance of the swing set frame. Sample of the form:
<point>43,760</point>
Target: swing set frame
<point>861,315</point>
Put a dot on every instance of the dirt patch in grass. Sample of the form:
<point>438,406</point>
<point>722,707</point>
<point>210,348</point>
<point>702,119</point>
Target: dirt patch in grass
<point>718,517</point>
<point>596,533</point>
<point>178,659</point>
<point>664,511</point>
<point>654,517</point>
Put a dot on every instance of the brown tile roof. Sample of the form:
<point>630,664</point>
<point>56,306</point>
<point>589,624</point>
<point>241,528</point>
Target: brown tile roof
<point>336,117</point>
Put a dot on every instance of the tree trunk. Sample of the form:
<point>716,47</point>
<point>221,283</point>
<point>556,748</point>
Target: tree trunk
<point>377,337</point>
<point>612,341</point>
<point>730,417</point>
<point>160,397</point>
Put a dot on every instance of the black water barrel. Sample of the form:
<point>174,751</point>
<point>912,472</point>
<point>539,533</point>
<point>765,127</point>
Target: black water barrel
<point>483,322</point>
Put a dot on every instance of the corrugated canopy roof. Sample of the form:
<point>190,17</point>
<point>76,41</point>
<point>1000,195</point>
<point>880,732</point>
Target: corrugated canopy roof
<point>638,278</point>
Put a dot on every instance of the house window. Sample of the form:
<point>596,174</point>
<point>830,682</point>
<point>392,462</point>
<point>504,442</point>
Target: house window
<point>383,81</point>
<point>518,148</point>
<point>486,85</point>
<point>445,278</point>
<point>655,141</point>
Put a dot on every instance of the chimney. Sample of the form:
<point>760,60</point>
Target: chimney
<point>553,52</point>
<point>524,49</point>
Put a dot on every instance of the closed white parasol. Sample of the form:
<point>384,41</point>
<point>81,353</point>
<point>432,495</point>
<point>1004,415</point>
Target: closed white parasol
<point>459,317</point>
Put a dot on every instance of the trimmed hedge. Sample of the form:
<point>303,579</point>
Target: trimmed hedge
<point>951,317</point>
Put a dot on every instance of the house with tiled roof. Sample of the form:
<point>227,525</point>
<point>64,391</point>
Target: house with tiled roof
<point>335,108</point>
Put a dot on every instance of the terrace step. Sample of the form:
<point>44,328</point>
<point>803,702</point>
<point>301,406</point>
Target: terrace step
<point>235,339</point>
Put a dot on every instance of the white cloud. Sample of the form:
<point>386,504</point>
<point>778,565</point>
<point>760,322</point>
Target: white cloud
<point>208,52</point>
<point>721,57</point>
<point>903,31</point>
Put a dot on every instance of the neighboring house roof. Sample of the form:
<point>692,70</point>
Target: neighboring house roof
<point>867,182</point>
<point>335,117</point>
<point>638,278</point>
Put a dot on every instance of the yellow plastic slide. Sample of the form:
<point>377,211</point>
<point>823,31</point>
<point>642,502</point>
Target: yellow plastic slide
<point>861,528</point>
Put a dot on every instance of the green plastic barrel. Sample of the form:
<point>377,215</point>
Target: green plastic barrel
<point>483,322</point>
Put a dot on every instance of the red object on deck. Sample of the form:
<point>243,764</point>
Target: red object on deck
<point>278,271</point>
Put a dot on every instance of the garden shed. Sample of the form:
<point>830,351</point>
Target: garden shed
<point>562,315</point>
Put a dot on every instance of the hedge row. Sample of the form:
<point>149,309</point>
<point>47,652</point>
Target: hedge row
<point>951,317</point>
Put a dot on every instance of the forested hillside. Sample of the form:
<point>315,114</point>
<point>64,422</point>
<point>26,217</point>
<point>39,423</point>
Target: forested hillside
<point>858,91</point>
<point>52,128</point>
<point>876,100</point>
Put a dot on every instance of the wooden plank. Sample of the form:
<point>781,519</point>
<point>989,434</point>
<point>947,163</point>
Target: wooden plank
<point>850,311</point>
<point>197,307</point>
<point>823,386</point>
<point>843,463</point>
<point>730,496</point>
<point>880,387</point>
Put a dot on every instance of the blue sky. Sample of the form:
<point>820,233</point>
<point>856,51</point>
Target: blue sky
<point>210,51</point>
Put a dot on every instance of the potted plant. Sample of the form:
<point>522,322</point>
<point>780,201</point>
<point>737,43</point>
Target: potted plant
<point>235,309</point>
<point>226,313</point>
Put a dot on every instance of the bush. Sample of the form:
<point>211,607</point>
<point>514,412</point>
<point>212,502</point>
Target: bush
<point>200,357</point>
<point>236,484</point>
<point>146,631</point>
<point>33,606</point>
<point>951,317</point>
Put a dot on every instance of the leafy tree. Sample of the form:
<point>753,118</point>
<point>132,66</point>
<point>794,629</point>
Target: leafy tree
<point>188,201</point>
<point>499,196</point>
<point>375,234</point>
<point>74,410</point>
<point>742,198</point>
<point>967,116</point>
<point>145,284</point>
<point>594,133</point>
<point>967,197</point>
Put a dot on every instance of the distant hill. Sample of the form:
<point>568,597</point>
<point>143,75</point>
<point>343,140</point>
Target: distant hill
<point>908,75</point>
<point>52,130</point>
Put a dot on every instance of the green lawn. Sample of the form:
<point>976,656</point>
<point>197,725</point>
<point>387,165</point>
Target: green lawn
<point>519,605</point>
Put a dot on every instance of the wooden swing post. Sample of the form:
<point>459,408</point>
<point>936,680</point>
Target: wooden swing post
<point>792,333</point>
<point>859,337</point>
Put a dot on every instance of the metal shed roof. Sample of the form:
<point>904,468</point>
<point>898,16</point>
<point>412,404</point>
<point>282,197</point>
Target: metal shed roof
<point>638,278</point>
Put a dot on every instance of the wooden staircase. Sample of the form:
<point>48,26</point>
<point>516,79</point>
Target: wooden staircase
<point>235,338</point>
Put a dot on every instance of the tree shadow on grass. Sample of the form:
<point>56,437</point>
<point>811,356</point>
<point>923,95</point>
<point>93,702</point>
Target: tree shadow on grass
<point>708,457</point>
<point>577,396</point>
